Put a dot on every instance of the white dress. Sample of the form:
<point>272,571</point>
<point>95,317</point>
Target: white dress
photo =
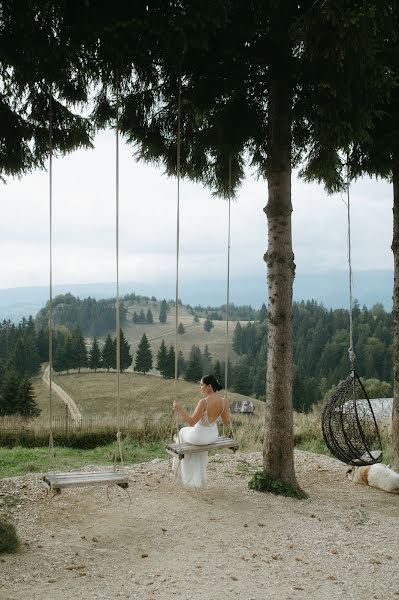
<point>191,470</point>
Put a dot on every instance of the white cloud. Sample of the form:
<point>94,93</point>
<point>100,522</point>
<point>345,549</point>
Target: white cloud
<point>84,225</point>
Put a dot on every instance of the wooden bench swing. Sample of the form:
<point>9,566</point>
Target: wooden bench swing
<point>180,450</point>
<point>55,481</point>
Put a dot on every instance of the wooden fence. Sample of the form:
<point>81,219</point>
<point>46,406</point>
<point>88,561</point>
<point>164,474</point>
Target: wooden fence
<point>87,424</point>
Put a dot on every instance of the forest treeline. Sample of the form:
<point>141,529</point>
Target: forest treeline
<point>321,360</point>
<point>97,317</point>
<point>93,317</point>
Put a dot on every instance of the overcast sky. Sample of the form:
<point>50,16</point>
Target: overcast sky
<point>84,225</point>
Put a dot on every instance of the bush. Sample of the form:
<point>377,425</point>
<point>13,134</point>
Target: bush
<point>8,536</point>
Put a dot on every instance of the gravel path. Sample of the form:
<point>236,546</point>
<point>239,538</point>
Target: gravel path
<point>72,407</point>
<point>219,543</point>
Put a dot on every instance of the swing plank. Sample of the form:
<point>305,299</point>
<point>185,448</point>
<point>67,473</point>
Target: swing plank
<point>180,450</point>
<point>57,481</point>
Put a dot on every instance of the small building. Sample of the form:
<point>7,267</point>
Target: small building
<point>245,407</point>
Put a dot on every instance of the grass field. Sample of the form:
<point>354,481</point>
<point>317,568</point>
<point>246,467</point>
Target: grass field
<point>142,395</point>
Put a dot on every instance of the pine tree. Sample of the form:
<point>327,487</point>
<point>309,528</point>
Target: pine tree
<point>170,364</point>
<point>42,342</point>
<point>143,362</point>
<point>135,317</point>
<point>149,317</point>
<point>196,319</point>
<point>163,312</point>
<point>181,330</point>
<point>126,358</point>
<point>59,360</point>
<point>26,403</point>
<point>162,358</point>
<point>241,378</point>
<point>194,367</point>
<point>95,355</point>
<point>141,317</point>
<point>9,393</point>
<point>79,349</point>
<point>70,357</point>
<point>25,358</point>
<point>208,324</point>
<point>108,353</point>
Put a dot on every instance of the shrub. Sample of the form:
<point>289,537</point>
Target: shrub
<point>8,536</point>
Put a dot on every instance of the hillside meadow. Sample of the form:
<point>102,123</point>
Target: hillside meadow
<point>194,335</point>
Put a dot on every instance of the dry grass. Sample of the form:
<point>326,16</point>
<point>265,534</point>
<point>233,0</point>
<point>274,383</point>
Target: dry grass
<point>195,334</point>
<point>140,395</point>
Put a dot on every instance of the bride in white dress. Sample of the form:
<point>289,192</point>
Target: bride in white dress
<point>203,430</point>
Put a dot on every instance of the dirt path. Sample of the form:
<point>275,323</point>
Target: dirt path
<point>73,409</point>
<point>215,544</point>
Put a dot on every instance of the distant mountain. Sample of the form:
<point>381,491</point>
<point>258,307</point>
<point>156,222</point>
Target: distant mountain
<point>331,289</point>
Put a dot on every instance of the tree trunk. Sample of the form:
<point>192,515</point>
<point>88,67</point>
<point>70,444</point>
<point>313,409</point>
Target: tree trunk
<point>278,448</point>
<point>395,250</point>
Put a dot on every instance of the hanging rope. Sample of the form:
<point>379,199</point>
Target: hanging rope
<point>50,454</point>
<point>117,306</point>
<point>226,369</point>
<point>178,156</point>
<point>350,349</point>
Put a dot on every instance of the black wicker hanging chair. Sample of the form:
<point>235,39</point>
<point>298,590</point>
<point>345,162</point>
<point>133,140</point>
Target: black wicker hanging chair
<point>349,426</point>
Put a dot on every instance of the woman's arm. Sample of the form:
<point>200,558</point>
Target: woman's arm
<point>197,414</point>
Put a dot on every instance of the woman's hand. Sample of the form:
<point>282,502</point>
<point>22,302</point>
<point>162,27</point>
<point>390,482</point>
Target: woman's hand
<point>176,407</point>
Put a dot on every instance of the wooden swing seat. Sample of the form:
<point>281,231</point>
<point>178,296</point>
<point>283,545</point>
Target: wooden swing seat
<point>55,482</point>
<point>180,450</point>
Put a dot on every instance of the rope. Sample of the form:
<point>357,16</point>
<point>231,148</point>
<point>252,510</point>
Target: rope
<point>350,349</point>
<point>226,370</point>
<point>178,156</point>
<point>50,453</point>
<point>117,311</point>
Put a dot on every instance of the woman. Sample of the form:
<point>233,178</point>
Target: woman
<point>202,431</point>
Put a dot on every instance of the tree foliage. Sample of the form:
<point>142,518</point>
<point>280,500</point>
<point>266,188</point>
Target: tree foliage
<point>143,361</point>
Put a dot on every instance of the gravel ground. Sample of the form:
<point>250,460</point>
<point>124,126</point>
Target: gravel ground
<point>225,541</point>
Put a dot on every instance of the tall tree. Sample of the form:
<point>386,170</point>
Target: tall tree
<point>143,361</point>
<point>126,358</point>
<point>9,393</point>
<point>163,315</point>
<point>169,371</point>
<point>79,349</point>
<point>194,370</point>
<point>162,358</point>
<point>149,317</point>
<point>95,355</point>
<point>108,353</point>
<point>26,403</point>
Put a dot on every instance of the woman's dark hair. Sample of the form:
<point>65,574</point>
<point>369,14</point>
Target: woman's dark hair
<point>211,380</point>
